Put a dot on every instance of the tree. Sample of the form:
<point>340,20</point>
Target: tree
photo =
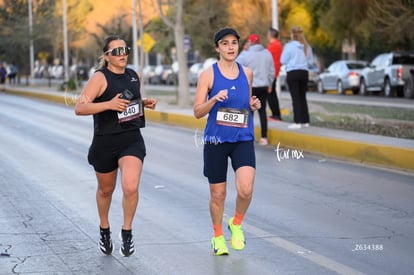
<point>14,42</point>
<point>176,23</point>
<point>77,11</point>
<point>202,19</point>
<point>255,17</point>
<point>347,20</point>
<point>394,21</point>
<point>14,45</point>
<point>164,37</point>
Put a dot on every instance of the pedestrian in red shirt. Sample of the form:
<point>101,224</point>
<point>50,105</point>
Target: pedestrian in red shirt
<point>275,48</point>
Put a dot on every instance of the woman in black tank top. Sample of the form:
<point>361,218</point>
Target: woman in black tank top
<point>112,95</point>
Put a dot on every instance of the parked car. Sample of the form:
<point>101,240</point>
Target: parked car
<point>81,72</point>
<point>171,75</point>
<point>194,72</point>
<point>409,85</point>
<point>147,73</point>
<point>387,72</point>
<point>159,74</point>
<point>312,77</point>
<point>341,75</point>
<point>208,62</point>
<point>282,78</point>
<point>137,69</point>
<point>56,71</point>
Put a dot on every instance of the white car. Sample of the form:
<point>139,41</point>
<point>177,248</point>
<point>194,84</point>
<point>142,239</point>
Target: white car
<point>194,72</point>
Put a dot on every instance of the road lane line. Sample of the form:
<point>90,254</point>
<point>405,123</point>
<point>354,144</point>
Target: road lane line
<point>295,249</point>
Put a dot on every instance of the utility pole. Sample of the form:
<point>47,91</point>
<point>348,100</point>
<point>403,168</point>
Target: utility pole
<point>134,35</point>
<point>141,35</point>
<point>31,40</point>
<point>275,16</point>
<point>65,43</point>
<point>275,25</point>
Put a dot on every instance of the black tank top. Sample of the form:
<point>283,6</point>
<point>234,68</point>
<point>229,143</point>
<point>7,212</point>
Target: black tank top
<point>107,122</point>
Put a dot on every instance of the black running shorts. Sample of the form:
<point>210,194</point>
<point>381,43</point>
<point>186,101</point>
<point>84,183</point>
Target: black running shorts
<point>216,159</point>
<point>106,150</point>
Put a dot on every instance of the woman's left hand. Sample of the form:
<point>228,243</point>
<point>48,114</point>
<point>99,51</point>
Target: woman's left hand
<point>255,103</point>
<point>150,103</point>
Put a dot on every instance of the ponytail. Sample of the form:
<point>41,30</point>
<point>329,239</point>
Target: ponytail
<point>297,34</point>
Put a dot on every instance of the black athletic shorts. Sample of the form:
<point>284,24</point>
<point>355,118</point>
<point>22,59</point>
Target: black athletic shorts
<point>216,158</point>
<point>106,150</point>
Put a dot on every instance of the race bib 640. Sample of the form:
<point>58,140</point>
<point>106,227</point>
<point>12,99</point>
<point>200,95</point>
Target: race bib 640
<point>134,110</point>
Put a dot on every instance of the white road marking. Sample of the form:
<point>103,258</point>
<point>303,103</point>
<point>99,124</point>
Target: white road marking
<point>301,251</point>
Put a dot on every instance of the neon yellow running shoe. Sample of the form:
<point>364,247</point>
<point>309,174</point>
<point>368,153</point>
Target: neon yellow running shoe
<point>237,241</point>
<point>218,246</point>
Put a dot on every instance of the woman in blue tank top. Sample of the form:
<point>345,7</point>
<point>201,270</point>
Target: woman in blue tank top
<point>224,93</point>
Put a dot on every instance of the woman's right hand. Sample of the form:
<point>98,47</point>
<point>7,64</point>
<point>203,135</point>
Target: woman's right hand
<point>118,104</point>
<point>222,95</point>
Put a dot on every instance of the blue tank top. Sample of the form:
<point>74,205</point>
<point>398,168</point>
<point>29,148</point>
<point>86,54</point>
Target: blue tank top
<point>238,98</point>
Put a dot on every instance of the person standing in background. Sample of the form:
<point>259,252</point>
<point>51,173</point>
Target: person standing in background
<point>244,50</point>
<point>3,74</point>
<point>275,48</point>
<point>297,55</point>
<point>260,61</point>
<point>12,73</point>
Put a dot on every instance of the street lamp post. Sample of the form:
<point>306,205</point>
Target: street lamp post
<point>65,43</point>
<point>275,25</point>
<point>31,40</point>
<point>141,34</point>
<point>134,34</point>
<point>275,16</point>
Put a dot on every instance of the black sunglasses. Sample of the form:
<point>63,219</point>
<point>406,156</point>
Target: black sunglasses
<point>119,51</point>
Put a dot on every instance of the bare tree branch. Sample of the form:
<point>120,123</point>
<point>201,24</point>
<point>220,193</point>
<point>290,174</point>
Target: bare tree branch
<point>164,18</point>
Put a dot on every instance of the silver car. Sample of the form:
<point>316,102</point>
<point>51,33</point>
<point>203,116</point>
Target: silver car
<point>313,71</point>
<point>387,73</point>
<point>341,75</point>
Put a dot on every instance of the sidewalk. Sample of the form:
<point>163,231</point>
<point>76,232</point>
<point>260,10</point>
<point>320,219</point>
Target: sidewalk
<point>381,151</point>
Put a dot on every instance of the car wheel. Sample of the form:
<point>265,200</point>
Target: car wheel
<point>387,88</point>
<point>409,88</point>
<point>363,87</point>
<point>320,87</point>
<point>340,87</point>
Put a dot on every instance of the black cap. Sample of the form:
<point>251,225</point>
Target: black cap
<point>223,32</point>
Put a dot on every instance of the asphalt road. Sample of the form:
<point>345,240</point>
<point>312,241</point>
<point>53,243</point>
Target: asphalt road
<point>309,215</point>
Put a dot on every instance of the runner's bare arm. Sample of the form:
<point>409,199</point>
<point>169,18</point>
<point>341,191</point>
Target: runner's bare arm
<point>202,106</point>
<point>93,89</point>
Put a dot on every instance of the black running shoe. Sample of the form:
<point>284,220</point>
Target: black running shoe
<point>127,245</point>
<point>105,242</point>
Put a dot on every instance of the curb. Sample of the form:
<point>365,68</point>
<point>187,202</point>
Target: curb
<point>375,154</point>
<point>381,155</point>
